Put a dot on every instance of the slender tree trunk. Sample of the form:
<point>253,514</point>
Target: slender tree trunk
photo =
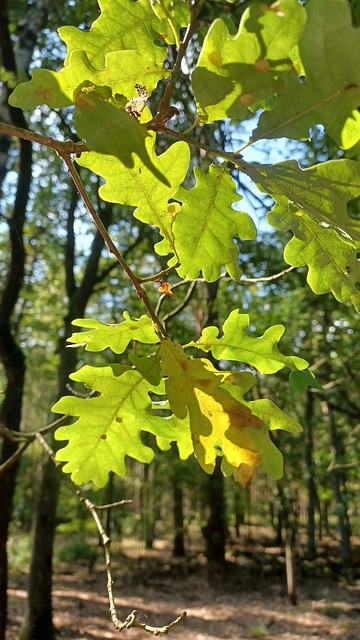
<point>341,508</point>
<point>179,530</point>
<point>216,527</point>
<point>148,506</point>
<point>310,479</point>
<point>38,620</point>
<point>11,355</point>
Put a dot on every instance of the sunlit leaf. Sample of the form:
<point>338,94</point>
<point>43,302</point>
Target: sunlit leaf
<point>235,72</point>
<point>139,186</point>
<point>221,422</point>
<point>116,132</point>
<point>330,93</point>
<point>122,24</point>
<point>114,336</point>
<point>205,226</point>
<point>122,71</point>
<point>332,260</point>
<point>322,191</point>
<point>236,344</point>
<point>109,425</point>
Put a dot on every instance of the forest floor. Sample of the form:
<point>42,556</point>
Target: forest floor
<point>246,599</point>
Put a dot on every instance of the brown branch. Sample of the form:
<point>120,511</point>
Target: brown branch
<point>61,147</point>
<point>120,503</point>
<point>14,457</point>
<point>165,110</point>
<point>110,244</point>
<point>268,278</point>
<point>131,620</point>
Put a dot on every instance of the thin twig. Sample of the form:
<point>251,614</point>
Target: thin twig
<point>131,620</point>
<point>160,275</point>
<point>120,503</point>
<point>111,245</point>
<point>29,436</point>
<point>223,276</point>
<point>10,461</point>
<point>165,100</point>
<point>268,278</point>
<point>182,305</point>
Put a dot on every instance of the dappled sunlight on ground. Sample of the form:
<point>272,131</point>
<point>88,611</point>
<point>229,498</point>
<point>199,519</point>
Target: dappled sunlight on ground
<point>234,603</point>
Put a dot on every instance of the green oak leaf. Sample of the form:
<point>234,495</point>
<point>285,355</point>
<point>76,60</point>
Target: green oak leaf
<point>330,93</point>
<point>123,70</point>
<point>176,431</point>
<point>332,260</point>
<point>235,344</point>
<point>235,72</point>
<point>178,9</point>
<point>204,228</point>
<point>139,186</point>
<point>175,12</point>
<point>109,425</point>
<point>302,380</point>
<point>111,131</point>
<point>113,336</point>
<point>122,24</point>
<point>321,191</point>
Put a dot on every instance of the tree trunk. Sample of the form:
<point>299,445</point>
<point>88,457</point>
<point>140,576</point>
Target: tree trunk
<point>310,479</point>
<point>179,530</point>
<point>147,506</point>
<point>11,355</point>
<point>38,620</point>
<point>216,528</point>
<point>341,508</point>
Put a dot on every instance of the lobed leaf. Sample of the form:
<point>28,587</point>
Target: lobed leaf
<point>330,92</point>
<point>193,389</point>
<point>332,260</point>
<point>116,132</point>
<point>121,25</point>
<point>109,425</point>
<point>204,228</point>
<point>235,344</point>
<point>235,72</point>
<point>122,71</point>
<point>221,421</point>
<point>115,336</point>
<point>322,191</point>
<point>139,186</point>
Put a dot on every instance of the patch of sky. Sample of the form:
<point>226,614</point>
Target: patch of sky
<point>254,201</point>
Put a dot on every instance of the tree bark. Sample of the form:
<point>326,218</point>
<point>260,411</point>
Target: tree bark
<point>216,528</point>
<point>341,508</point>
<point>179,530</point>
<point>310,480</point>
<point>11,355</point>
<point>38,620</point>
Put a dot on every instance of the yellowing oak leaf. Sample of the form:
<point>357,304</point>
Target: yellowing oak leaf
<point>217,420</point>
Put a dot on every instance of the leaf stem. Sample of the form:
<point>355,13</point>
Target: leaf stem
<point>142,294</point>
<point>165,100</point>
